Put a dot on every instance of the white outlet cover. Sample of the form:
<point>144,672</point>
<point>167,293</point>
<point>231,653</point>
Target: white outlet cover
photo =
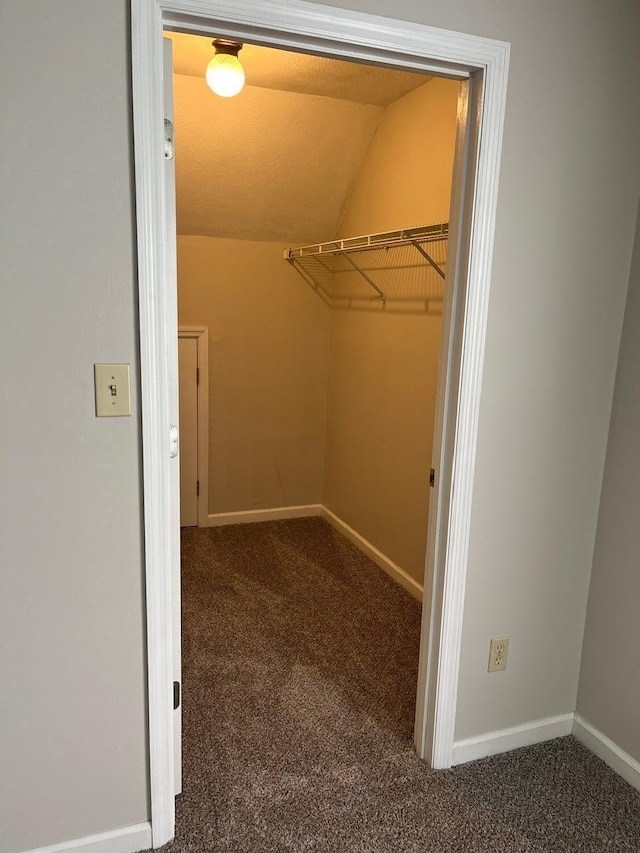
<point>498,654</point>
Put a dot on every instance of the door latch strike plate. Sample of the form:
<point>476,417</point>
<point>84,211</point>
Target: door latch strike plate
<point>176,695</point>
<point>173,441</point>
<point>432,477</point>
<point>168,140</point>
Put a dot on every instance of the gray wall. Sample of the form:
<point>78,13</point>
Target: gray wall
<point>74,760</point>
<point>609,694</point>
<point>569,191</point>
<point>73,731</point>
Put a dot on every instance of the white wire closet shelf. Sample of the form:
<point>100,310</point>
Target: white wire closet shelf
<point>405,267</point>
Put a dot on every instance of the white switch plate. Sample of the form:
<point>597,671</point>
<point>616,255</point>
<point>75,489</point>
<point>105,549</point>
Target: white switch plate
<point>113,390</point>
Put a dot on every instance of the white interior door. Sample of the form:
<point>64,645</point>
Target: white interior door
<point>172,361</point>
<point>188,393</point>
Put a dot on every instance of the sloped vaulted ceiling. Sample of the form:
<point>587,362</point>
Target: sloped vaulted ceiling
<point>278,161</point>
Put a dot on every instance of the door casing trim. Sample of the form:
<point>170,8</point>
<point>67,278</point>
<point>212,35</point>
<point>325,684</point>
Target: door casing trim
<point>331,31</point>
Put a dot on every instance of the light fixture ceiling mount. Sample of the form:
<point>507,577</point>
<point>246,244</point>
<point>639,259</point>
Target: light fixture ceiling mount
<point>225,74</point>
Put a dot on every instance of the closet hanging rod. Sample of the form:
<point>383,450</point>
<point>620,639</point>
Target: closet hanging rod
<point>383,240</point>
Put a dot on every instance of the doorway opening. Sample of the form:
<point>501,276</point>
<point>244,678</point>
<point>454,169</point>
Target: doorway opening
<point>319,272</point>
<point>482,65</point>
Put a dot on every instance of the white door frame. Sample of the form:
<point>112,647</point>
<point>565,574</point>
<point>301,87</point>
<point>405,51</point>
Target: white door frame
<point>201,335</point>
<point>330,31</point>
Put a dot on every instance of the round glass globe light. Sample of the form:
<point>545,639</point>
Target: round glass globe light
<point>225,75</point>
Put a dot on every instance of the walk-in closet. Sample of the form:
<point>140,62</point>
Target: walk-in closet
<point>312,218</point>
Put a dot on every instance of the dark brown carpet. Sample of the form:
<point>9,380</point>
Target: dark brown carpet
<point>299,688</point>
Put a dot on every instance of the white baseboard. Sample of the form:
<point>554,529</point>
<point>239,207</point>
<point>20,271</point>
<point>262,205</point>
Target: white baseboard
<point>309,510</point>
<point>218,519</point>
<point>129,839</point>
<point>504,740</point>
<point>602,746</point>
<point>392,569</point>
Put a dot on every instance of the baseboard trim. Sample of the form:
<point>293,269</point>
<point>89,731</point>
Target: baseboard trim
<point>374,554</point>
<point>129,839</point>
<point>504,740</point>
<point>602,746</point>
<point>219,519</point>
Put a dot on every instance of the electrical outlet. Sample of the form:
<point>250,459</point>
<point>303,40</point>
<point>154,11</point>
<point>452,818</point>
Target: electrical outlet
<point>498,654</point>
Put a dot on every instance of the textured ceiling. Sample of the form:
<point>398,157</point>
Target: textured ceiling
<point>268,68</point>
<point>279,161</point>
<point>266,165</point>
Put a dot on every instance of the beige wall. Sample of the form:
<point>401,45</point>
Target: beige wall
<point>268,365</point>
<point>609,690</point>
<point>73,710</point>
<point>384,367</point>
<point>73,736</point>
<point>405,178</point>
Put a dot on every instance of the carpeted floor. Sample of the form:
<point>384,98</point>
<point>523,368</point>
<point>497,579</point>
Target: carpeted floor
<point>299,672</point>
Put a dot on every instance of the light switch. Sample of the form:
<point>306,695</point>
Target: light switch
<point>113,390</point>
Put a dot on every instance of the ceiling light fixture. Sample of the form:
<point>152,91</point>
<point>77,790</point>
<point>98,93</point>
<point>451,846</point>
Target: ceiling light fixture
<point>225,74</point>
